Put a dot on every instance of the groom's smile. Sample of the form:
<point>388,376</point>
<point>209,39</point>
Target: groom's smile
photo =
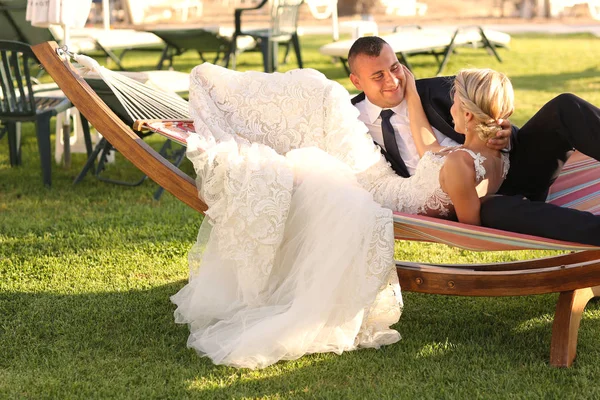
<point>381,78</point>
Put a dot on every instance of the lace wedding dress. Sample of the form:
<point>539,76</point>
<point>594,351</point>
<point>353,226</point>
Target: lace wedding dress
<point>294,256</point>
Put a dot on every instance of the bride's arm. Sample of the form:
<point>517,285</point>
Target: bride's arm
<point>387,188</point>
<point>420,127</point>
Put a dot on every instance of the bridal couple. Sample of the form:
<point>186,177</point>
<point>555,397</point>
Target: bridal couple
<point>295,254</point>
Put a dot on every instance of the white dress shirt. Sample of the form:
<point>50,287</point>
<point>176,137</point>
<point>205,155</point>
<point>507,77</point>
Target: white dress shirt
<point>369,114</point>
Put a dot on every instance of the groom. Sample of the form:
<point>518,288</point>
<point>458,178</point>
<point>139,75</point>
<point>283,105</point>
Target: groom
<point>538,150</point>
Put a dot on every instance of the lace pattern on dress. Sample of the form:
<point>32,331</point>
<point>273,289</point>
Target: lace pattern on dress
<point>505,164</point>
<point>248,125</point>
<point>478,160</point>
<point>248,204</point>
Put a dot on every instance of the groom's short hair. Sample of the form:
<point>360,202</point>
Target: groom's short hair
<point>367,45</point>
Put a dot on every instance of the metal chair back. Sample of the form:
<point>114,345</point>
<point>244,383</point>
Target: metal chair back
<point>283,29</point>
<point>284,17</point>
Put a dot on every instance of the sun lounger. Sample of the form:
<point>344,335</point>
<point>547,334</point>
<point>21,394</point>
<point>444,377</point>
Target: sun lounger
<point>438,42</point>
<point>575,276</point>
<point>148,12</point>
<point>203,40</point>
<point>110,42</point>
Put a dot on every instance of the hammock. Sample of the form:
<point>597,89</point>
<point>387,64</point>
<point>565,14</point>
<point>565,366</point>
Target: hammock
<point>577,187</point>
<point>575,276</point>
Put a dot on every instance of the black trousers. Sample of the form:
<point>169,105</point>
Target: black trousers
<point>517,214</point>
<point>540,149</point>
<point>545,142</point>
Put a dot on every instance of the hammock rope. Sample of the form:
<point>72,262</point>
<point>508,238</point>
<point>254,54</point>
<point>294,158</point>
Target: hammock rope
<point>140,101</point>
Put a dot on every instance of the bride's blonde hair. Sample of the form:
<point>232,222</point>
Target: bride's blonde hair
<point>488,95</point>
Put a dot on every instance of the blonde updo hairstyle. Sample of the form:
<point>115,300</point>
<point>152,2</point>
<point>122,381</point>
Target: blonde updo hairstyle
<point>488,95</point>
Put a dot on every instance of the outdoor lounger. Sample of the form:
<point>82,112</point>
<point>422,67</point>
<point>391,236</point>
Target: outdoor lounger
<point>83,40</point>
<point>439,42</point>
<point>203,40</point>
<point>576,276</point>
<point>114,42</point>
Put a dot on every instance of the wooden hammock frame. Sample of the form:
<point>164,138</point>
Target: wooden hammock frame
<point>576,276</point>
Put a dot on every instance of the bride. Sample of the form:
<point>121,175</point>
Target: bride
<point>294,256</point>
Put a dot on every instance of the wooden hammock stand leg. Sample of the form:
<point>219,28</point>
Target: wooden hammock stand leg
<point>565,328</point>
<point>575,276</point>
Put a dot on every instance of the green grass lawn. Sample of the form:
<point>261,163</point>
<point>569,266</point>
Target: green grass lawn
<point>86,273</point>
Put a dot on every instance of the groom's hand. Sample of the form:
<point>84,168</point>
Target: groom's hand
<point>502,139</point>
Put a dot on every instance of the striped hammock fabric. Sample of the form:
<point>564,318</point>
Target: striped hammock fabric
<point>578,186</point>
<point>471,237</point>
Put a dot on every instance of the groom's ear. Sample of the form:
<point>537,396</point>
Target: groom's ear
<point>355,81</point>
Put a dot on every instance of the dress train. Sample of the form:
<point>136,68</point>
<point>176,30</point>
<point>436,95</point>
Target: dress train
<point>293,257</point>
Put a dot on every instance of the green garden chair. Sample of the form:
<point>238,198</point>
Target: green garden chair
<point>19,103</point>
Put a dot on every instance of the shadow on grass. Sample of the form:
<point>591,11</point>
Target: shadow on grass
<point>125,344</point>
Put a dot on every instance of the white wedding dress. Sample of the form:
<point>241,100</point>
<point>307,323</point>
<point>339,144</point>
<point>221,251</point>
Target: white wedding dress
<point>295,254</point>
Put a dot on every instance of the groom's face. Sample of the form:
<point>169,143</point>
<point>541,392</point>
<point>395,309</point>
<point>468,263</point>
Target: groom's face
<point>381,78</point>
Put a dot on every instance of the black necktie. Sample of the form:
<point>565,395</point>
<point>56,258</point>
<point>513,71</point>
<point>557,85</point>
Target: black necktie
<point>392,154</point>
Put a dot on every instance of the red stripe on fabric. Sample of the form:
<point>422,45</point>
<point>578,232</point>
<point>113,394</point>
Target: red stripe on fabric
<point>578,195</point>
<point>418,227</point>
<point>578,185</point>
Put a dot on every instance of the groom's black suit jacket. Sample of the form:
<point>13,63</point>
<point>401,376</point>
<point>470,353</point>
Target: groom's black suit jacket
<point>538,151</point>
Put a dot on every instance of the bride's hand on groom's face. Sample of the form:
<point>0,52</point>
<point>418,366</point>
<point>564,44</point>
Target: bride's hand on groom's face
<point>410,85</point>
<point>502,139</point>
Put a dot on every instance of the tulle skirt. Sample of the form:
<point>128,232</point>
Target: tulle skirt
<point>332,286</point>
